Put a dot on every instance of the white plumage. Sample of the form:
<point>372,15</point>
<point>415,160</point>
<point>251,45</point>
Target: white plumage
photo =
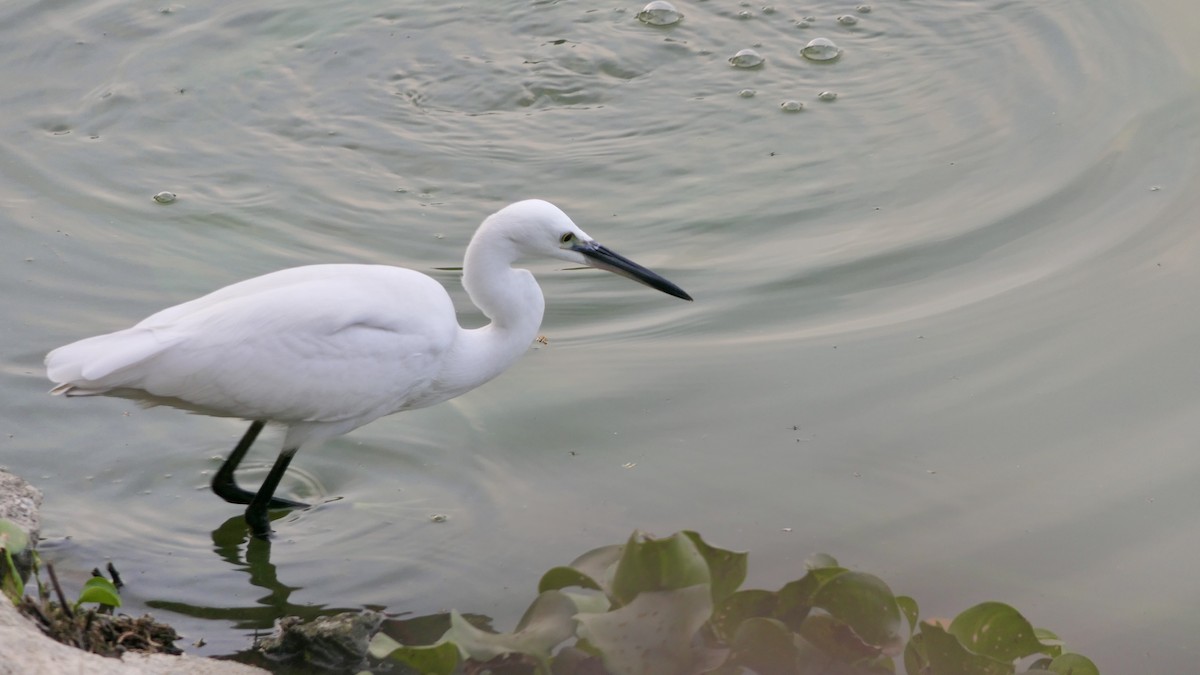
<point>324,349</point>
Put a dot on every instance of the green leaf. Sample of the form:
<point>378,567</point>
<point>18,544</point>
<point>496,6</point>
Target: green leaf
<point>547,623</point>
<point>739,607</point>
<point>589,603</point>
<point>590,570</point>
<point>837,639</point>
<point>914,654</point>
<point>764,646</point>
<point>867,605</point>
<point>999,631</point>
<point>796,597</point>
<point>945,655</point>
<point>818,561</point>
<point>1047,638</point>
<point>653,634</point>
<point>426,630</point>
<point>657,565</point>
<point>99,590</point>
<point>11,584</point>
<point>727,569</point>
<point>908,607</point>
<point>439,659</point>
<point>571,660</point>
<point>1073,664</point>
<point>12,538</point>
<point>557,578</point>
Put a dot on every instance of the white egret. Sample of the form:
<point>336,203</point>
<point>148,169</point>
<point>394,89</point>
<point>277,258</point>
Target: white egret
<point>324,349</point>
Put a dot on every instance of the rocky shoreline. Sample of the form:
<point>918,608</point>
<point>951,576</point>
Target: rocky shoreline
<point>25,650</point>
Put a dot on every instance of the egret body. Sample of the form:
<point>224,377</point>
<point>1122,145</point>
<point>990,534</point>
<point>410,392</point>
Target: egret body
<point>324,349</point>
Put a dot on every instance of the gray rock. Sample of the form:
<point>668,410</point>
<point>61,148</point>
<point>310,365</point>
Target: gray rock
<point>19,503</point>
<point>337,642</point>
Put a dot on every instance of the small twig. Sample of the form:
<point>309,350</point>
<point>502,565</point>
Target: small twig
<point>33,607</point>
<point>62,598</point>
<point>116,578</point>
<point>85,636</point>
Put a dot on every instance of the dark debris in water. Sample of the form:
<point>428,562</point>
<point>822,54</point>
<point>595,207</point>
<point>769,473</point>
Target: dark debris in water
<point>103,634</point>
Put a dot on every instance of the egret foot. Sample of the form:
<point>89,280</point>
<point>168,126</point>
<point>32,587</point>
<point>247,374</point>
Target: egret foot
<point>234,494</point>
<point>226,487</point>
<point>257,513</point>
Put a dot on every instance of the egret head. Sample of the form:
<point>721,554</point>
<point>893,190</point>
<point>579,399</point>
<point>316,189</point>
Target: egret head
<point>539,228</point>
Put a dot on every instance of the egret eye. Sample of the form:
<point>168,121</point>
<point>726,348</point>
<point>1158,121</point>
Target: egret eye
<point>567,237</point>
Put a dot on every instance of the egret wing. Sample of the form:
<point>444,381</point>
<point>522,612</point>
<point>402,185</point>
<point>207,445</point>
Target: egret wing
<point>317,344</point>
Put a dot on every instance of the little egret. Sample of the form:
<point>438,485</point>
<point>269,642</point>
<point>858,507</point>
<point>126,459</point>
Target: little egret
<point>324,349</point>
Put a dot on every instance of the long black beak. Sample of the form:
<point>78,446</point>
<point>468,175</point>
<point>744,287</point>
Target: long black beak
<point>602,258</point>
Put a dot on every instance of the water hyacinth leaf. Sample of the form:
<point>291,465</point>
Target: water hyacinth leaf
<point>381,645</point>
<point>591,570</point>
<point>1047,637</point>
<point>557,578</point>
<point>657,565</point>
<point>837,639</point>
<point>867,605</point>
<point>547,623</point>
<point>997,630</point>
<point>439,659</point>
<point>653,634</point>
<point>1072,664</point>
<point>908,607</point>
<point>737,608</point>
<point>796,598</point>
<point>800,592</point>
<point>12,538</point>
<point>727,569</point>
<point>914,654</point>
<point>945,655</point>
<point>571,660</point>
<point>99,590</point>
<point>428,629</point>
<point>818,561</point>
<point>589,603</point>
<point>764,646</point>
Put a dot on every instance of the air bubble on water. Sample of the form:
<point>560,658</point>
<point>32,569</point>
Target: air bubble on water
<point>827,96</point>
<point>745,14</point>
<point>821,49</point>
<point>769,9</point>
<point>746,58</point>
<point>164,197</point>
<point>848,20</point>
<point>659,13</point>
<point>747,93</point>
<point>801,23</point>
<point>792,106</point>
<point>863,9</point>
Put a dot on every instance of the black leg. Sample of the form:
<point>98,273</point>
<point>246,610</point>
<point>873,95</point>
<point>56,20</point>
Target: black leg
<point>224,485</point>
<point>256,513</point>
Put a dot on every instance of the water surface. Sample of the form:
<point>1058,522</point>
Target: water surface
<point>943,328</point>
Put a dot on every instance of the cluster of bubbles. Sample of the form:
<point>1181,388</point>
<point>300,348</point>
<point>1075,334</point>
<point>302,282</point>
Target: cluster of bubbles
<point>663,13</point>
